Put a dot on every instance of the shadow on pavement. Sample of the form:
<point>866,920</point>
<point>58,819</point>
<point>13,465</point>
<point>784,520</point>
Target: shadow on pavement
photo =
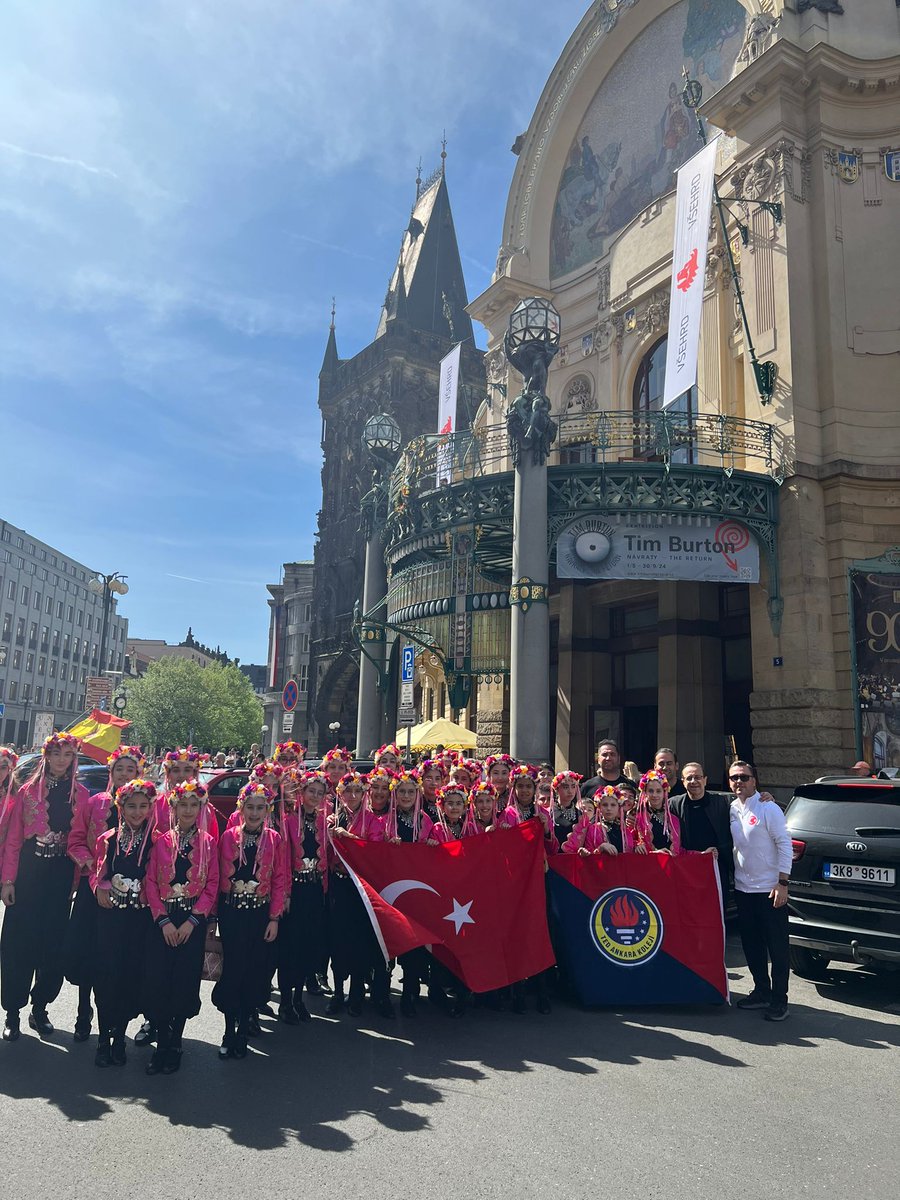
<point>304,1081</point>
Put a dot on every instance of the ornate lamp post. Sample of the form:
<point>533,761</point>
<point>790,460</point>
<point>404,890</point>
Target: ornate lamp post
<point>531,342</point>
<point>105,585</point>
<point>381,442</point>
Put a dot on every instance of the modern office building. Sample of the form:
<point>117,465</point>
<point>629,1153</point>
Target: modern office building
<point>51,627</point>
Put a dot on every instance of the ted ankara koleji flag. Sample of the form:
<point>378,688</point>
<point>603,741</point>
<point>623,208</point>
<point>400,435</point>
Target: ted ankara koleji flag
<point>640,928</point>
<point>478,903</point>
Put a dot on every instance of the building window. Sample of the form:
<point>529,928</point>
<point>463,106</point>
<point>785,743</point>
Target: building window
<point>90,622</point>
<point>32,634</point>
<point>29,663</point>
<point>70,613</point>
<point>71,699</point>
<point>79,617</point>
<point>63,671</point>
<point>20,542</point>
<point>37,601</point>
<point>303,680</point>
<point>42,665</point>
<point>17,659</point>
<point>45,637</point>
<point>11,590</point>
<point>307,612</point>
<point>67,644</point>
<point>59,609</point>
<point>26,595</point>
<point>56,640</point>
<point>39,695</point>
<point>20,630</point>
<point>61,699</point>
<point>7,625</point>
<point>49,606</point>
<point>649,388</point>
<point>304,643</point>
<point>54,667</point>
<point>26,691</point>
<point>84,676</point>
<point>13,689</point>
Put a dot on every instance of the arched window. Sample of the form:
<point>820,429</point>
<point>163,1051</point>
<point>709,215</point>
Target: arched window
<point>649,386</point>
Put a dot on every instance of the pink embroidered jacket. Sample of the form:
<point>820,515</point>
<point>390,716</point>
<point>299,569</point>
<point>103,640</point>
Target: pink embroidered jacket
<point>26,818</point>
<point>585,835</point>
<point>440,832</point>
<point>509,817</point>
<point>207,820</point>
<point>269,871</point>
<point>363,824</point>
<point>202,880</point>
<point>88,823</point>
<point>293,823</point>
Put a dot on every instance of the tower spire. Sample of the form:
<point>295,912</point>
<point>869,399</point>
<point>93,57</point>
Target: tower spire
<point>418,180</point>
<point>330,362</point>
<point>443,153</point>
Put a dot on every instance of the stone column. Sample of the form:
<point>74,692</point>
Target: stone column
<point>529,724</point>
<point>370,704</point>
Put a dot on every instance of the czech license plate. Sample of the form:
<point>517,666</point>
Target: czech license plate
<point>858,873</point>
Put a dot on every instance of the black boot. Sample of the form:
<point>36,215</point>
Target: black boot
<point>117,1052</point>
<point>335,1005</point>
<point>312,986</point>
<point>11,1030</point>
<point>409,994</point>
<point>356,995</point>
<point>103,1057</point>
<point>40,1022</point>
<point>146,1035</point>
<point>173,1051</point>
<point>158,1058</point>
<point>85,1016</point>
<point>300,1008</point>
<point>240,1038</point>
<point>226,1050</point>
<point>287,1012</point>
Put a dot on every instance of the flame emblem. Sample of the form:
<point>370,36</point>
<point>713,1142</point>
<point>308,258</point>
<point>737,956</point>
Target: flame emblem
<point>626,927</point>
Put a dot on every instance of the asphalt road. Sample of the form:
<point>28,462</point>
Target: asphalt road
<point>641,1103</point>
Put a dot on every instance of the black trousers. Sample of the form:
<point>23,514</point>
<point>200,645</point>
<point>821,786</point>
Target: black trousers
<point>764,936</point>
<point>32,944</point>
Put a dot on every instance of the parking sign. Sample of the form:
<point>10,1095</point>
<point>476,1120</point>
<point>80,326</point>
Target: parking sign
<point>409,657</point>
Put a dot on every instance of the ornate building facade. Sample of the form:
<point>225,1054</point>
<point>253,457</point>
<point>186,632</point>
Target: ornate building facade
<point>804,96</point>
<point>423,316</point>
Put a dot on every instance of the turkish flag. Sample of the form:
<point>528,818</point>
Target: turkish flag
<point>478,903</point>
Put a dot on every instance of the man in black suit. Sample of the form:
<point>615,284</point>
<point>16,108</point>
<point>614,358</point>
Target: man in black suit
<point>705,819</point>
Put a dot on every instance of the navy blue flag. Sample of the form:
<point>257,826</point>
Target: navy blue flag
<point>640,929</point>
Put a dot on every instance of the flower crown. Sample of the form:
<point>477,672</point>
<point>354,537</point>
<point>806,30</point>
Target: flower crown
<point>483,788</point>
<point>381,773</point>
<point>181,754</point>
<point>523,770</point>
<point>60,740</point>
<point>255,791</point>
<point>563,776</point>
<point>451,789</point>
<point>284,748</point>
<point>505,759</point>
<point>9,756</point>
<point>654,776</point>
<point>191,787</point>
<point>136,787</point>
<point>407,775</point>
<point>263,769</point>
<point>339,752</point>
<point>348,780</point>
<point>309,777</point>
<point>472,765</point>
<point>388,748</point>
<point>608,792</point>
<point>432,764</point>
<point>135,753</point>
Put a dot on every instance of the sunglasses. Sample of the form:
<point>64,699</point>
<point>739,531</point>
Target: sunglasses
<point>739,778</point>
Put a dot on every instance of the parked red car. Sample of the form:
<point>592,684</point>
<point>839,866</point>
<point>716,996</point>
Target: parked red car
<point>223,789</point>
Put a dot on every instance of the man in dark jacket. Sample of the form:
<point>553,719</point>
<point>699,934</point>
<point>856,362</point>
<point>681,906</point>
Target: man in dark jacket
<point>706,821</point>
<point>609,769</point>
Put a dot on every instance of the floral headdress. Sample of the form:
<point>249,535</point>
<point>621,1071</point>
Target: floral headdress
<point>388,748</point>
<point>405,775</point>
<point>256,791</point>
<point>60,740</point>
<point>9,756</point>
<point>524,769</point>
<point>309,777</point>
<point>481,788</point>
<point>338,752</point>
<point>506,759</point>
<point>180,754</point>
<point>136,787</point>
<point>348,780</point>
<point>190,787</point>
<point>387,773</point>
<point>451,789</point>
<point>472,765</point>
<point>432,764</point>
<point>642,817</point>
<point>264,769</point>
<point>135,753</point>
<point>288,748</point>
<point>561,776</point>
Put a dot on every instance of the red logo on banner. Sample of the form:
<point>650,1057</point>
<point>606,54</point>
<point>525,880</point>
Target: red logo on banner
<point>688,272</point>
<point>448,426</point>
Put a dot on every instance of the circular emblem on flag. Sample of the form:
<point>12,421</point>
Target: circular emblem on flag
<point>626,927</point>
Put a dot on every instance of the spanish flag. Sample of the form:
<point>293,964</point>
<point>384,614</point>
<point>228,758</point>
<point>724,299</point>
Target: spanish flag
<point>100,733</point>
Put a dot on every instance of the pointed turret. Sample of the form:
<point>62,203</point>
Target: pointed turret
<point>330,362</point>
<point>428,274</point>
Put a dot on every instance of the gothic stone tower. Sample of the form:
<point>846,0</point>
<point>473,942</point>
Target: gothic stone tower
<point>422,318</point>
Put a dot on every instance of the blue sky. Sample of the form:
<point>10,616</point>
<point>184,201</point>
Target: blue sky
<point>183,186</point>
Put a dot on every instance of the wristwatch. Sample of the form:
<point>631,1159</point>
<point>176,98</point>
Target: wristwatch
<point>783,882</point>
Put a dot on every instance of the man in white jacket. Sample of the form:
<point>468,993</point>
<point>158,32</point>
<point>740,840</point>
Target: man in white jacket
<point>762,866</point>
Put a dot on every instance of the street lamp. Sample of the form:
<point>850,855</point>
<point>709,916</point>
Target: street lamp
<point>381,443</point>
<point>531,342</point>
<point>105,585</point>
<point>263,731</point>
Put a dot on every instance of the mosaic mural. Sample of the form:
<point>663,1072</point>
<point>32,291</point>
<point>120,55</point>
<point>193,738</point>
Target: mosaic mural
<point>636,132</point>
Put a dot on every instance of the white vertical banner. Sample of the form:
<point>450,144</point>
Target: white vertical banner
<point>693,200</point>
<point>449,388</point>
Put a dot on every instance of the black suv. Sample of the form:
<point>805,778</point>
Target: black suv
<point>844,900</point>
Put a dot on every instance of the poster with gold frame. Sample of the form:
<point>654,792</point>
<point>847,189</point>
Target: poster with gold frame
<point>875,643</point>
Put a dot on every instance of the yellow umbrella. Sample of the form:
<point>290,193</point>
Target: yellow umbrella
<point>438,733</point>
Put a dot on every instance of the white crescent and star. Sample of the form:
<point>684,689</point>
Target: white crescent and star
<point>459,916</point>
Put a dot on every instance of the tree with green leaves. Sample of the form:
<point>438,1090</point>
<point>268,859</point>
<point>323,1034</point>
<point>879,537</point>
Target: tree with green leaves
<point>179,702</point>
